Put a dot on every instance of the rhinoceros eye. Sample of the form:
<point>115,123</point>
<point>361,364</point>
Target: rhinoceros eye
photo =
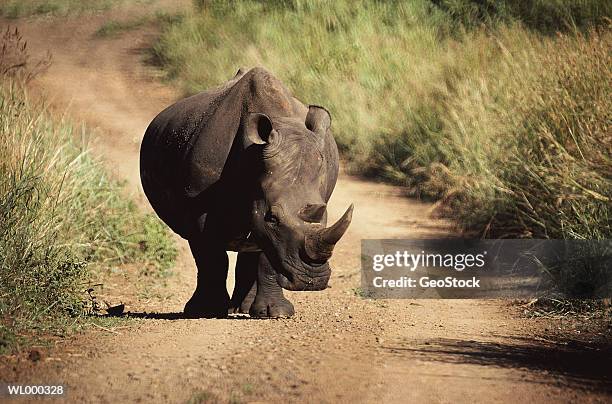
<point>271,218</point>
<point>274,215</point>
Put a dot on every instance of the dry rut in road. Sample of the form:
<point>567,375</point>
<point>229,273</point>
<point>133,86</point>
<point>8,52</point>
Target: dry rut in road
<point>338,347</point>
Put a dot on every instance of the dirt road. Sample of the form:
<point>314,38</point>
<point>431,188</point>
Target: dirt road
<point>338,348</point>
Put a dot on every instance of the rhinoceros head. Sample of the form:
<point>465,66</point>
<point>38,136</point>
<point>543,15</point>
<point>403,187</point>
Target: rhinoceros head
<point>289,214</point>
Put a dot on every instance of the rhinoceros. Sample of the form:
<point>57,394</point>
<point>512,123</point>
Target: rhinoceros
<point>246,167</point>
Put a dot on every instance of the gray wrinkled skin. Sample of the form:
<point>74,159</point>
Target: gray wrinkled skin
<point>246,167</point>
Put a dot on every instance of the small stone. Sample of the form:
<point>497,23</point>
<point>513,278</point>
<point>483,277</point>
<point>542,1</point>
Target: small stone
<point>34,355</point>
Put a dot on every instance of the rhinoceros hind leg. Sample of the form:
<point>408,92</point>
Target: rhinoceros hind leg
<point>269,300</point>
<point>246,283</point>
<point>210,299</point>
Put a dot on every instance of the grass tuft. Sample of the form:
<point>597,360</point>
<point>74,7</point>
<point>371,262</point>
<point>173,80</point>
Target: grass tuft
<point>113,28</point>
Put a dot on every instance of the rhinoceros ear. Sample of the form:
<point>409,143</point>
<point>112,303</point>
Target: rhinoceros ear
<point>257,129</point>
<point>318,120</point>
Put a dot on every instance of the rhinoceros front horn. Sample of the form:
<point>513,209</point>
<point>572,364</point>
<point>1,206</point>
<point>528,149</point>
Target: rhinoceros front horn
<point>320,243</point>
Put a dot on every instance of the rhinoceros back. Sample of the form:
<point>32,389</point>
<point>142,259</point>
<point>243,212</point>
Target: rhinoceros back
<point>164,152</point>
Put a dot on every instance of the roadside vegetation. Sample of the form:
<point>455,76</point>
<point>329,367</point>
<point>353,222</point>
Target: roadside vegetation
<point>62,218</point>
<point>26,8</point>
<point>497,110</point>
<point>115,27</point>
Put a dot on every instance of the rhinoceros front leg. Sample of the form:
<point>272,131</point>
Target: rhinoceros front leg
<point>269,299</point>
<point>210,298</point>
<point>246,282</point>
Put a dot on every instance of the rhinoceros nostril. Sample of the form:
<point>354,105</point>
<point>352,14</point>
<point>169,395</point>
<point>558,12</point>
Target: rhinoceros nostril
<point>312,213</point>
<point>315,263</point>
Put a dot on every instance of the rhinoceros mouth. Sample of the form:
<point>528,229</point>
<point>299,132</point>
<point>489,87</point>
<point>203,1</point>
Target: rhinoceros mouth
<point>296,284</point>
<point>307,278</point>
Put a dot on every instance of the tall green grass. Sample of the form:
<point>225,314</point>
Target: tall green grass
<point>61,215</point>
<point>477,104</point>
<point>545,16</point>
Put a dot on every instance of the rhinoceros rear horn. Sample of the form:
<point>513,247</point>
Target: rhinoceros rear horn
<point>320,243</point>
<point>257,129</point>
<point>318,120</point>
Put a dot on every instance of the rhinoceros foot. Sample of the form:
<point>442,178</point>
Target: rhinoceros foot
<point>207,306</point>
<point>243,306</point>
<point>271,307</point>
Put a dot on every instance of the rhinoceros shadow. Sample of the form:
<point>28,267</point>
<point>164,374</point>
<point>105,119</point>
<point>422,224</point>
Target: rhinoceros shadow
<point>176,316</point>
<point>580,364</point>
